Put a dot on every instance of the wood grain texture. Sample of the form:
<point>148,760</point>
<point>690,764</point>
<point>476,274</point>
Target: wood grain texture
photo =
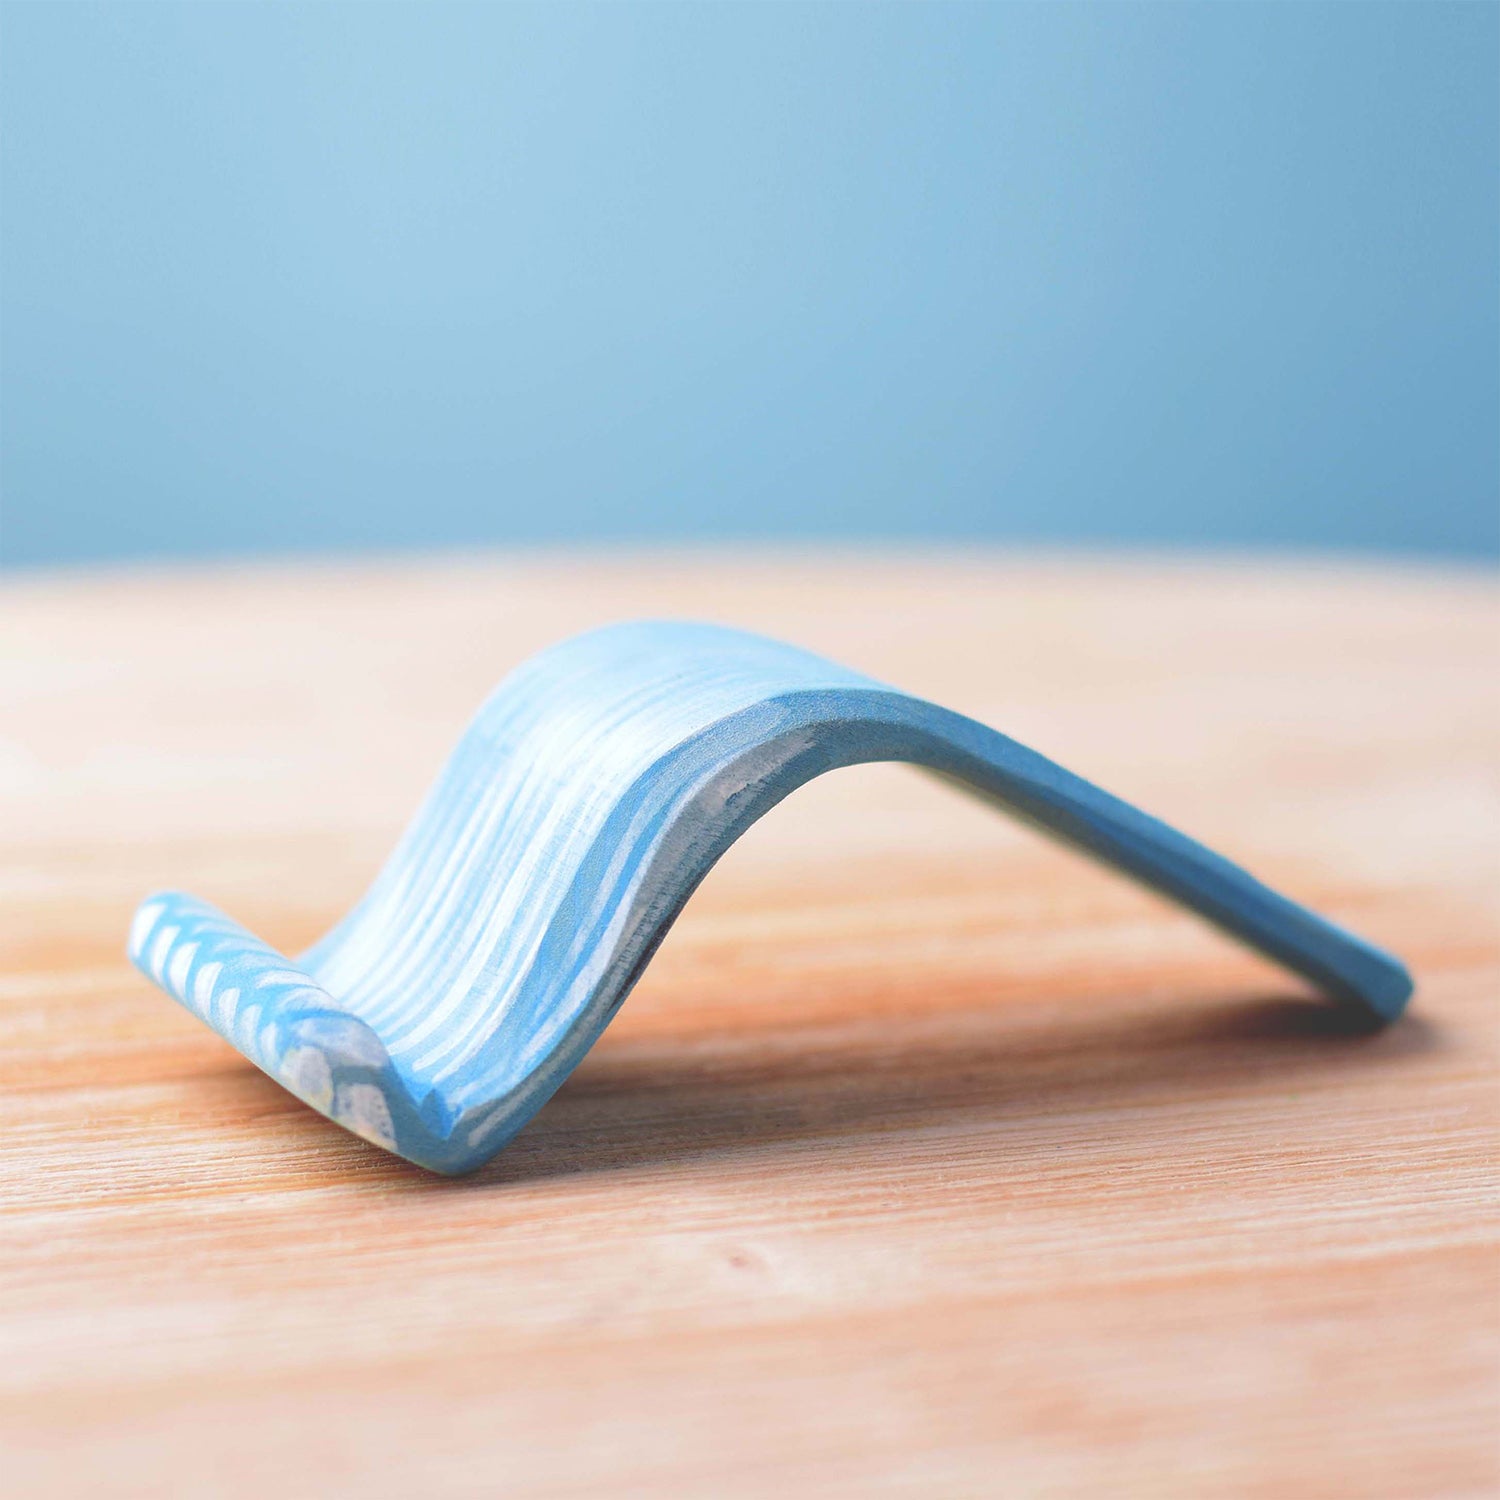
<point>926,1159</point>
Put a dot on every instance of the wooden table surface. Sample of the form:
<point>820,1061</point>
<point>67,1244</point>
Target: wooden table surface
<point>926,1159</point>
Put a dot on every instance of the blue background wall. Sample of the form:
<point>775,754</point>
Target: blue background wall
<point>281,278</point>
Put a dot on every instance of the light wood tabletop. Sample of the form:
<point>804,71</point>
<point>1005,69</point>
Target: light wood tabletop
<point>927,1158</point>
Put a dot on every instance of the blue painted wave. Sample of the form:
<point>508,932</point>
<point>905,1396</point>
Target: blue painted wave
<point>590,795</point>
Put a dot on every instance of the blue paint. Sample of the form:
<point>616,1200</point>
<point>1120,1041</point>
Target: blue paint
<point>338,277</point>
<point>591,794</point>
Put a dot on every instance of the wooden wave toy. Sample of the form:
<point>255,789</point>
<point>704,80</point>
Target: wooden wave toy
<point>591,794</point>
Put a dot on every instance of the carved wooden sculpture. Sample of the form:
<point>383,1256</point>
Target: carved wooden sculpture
<point>592,793</point>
